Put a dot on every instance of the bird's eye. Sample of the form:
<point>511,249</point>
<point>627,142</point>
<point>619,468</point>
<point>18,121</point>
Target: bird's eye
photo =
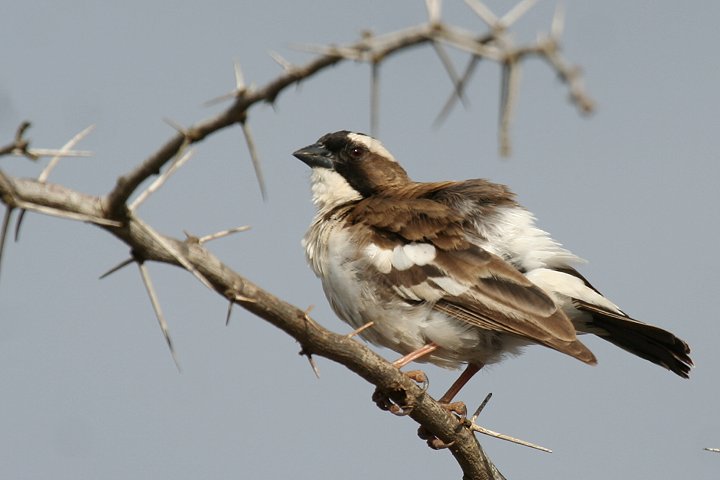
<point>356,152</point>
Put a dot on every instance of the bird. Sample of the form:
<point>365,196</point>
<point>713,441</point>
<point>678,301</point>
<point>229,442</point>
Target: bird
<point>453,272</point>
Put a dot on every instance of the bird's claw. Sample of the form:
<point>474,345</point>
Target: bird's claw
<point>459,409</point>
<point>384,402</point>
<point>419,377</point>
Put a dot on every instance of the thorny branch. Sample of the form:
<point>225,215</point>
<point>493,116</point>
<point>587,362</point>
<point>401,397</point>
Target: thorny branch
<point>494,45</point>
<point>116,214</point>
<point>313,338</point>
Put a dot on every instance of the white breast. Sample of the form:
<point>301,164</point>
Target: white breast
<point>399,325</point>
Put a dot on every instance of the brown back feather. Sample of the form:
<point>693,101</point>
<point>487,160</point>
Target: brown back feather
<point>500,298</point>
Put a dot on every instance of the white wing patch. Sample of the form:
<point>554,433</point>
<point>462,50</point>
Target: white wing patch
<point>420,253</point>
<point>381,258</point>
<point>513,235</point>
<point>561,286</point>
<point>422,292</point>
<point>406,256</point>
<point>450,285</point>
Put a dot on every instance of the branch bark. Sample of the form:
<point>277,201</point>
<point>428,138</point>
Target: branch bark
<point>312,337</point>
<point>115,213</point>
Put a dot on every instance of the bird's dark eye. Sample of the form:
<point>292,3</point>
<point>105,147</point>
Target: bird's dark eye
<point>356,152</point>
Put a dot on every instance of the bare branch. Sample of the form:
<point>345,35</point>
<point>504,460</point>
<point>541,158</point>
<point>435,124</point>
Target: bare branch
<point>57,212</point>
<point>116,215</point>
<point>21,147</point>
<point>151,246</point>
<point>372,49</point>
<point>49,168</point>
<point>9,196</point>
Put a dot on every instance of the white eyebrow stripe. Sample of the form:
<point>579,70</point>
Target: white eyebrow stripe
<point>373,145</point>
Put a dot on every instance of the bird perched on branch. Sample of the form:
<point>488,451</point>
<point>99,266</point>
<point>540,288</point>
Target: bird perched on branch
<point>453,272</point>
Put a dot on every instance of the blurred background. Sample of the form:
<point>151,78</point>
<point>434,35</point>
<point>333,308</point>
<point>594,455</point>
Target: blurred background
<point>89,389</point>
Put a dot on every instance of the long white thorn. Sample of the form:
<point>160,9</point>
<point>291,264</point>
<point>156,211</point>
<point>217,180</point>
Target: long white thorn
<point>160,181</point>
<point>482,11</point>
<point>158,311</point>
<point>64,149</point>
<point>516,12</point>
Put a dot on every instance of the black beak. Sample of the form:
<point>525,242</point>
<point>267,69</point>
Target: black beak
<point>315,155</point>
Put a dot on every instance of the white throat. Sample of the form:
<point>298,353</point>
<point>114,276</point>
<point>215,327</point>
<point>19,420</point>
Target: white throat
<point>330,189</point>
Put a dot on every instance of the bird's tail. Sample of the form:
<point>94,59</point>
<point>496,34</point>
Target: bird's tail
<point>647,341</point>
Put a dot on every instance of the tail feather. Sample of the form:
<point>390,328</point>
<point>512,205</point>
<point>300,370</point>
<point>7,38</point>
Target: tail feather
<point>647,341</point>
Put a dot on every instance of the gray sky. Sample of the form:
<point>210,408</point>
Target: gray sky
<point>89,389</point>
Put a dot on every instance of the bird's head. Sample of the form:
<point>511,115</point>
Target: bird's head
<point>348,166</point>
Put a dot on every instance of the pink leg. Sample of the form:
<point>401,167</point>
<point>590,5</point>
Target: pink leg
<point>414,355</point>
<point>464,377</point>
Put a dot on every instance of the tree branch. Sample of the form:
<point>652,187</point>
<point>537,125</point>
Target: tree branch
<point>370,49</point>
<point>312,337</point>
<point>117,215</point>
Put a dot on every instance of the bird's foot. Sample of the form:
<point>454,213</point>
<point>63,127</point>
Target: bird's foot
<point>419,377</point>
<point>459,411</point>
<point>458,408</point>
<point>384,402</point>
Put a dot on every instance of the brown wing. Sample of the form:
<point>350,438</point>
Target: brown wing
<point>461,279</point>
<point>411,220</point>
<point>502,299</point>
